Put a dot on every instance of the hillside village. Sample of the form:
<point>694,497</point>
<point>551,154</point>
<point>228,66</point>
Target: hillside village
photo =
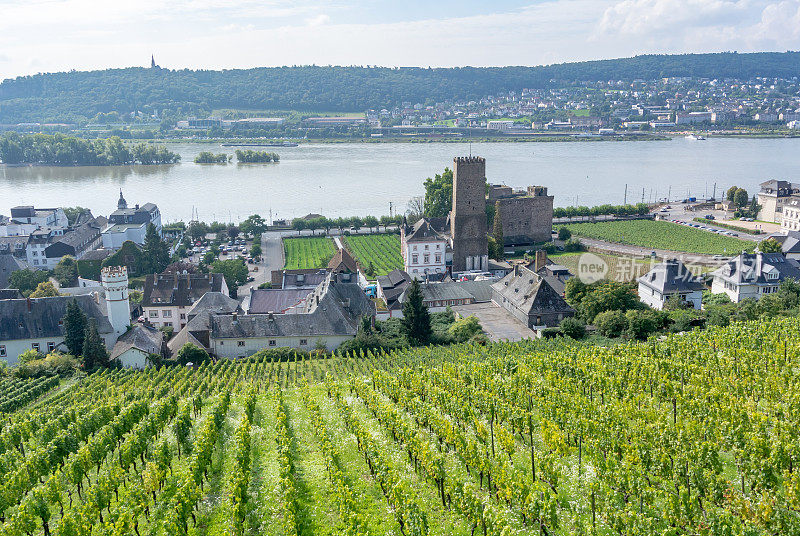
<point>497,266</point>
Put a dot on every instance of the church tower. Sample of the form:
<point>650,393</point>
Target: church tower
<point>153,61</point>
<point>121,204</point>
<point>468,216</point>
<point>115,284</point>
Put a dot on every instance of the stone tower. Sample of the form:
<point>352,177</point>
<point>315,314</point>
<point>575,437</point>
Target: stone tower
<point>115,284</point>
<point>468,216</point>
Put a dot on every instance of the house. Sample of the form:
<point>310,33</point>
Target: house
<point>278,301</point>
<point>670,280</point>
<point>530,298</point>
<point>329,316</point>
<point>41,217</point>
<point>135,348</point>
<point>391,286</point>
<point>790,243</point>
<point>753,275</point>
<point>130,224</point>
<point>36,323</point>
<point>168,297</point>
<point>297,279</point>
<point>555,274</point>
<point>423,249</point>
<point>791,215</point>
<point>772,197</point>
<point>76,242</point>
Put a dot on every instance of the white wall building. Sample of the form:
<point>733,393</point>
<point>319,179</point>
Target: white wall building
<point>424,250</point>
<point>670,280</point>
<point>753,275</point>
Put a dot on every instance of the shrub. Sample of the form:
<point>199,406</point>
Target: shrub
<point>464,329</point>
<point>564,233</point>
<point>642,324</point>
<point>573,244</point>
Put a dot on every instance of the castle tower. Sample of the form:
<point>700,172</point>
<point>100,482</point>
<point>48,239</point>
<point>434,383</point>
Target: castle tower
<point>115,284</point>
<point>468,216</point>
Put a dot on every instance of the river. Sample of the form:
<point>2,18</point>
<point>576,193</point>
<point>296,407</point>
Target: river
<point>363,178</point>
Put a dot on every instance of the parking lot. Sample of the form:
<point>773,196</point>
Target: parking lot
<point>498,323</point>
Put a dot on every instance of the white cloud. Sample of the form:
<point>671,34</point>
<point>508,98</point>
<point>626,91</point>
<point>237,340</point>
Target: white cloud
<point>319,20</point>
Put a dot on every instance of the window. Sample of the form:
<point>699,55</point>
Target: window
<point>51,346</point>
<point>414,259</point>
<point>166,313</point>
<point>240,343</point>
<point>272,342</point>
<point>303,342</point>
<point>438,258</point>
<point>153,314</point>
<point>427,258</point>
<point>183,316</point>
<point>2,350</point>
<point>426,246</point>
<point>35,346</point>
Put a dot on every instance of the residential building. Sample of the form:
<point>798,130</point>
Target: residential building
<point>790,221</point>
<point>41,217</point>
<point>8,265</point>
<point>499,124</point>
<point>773,196</point>
<point>136,348</point>
<point>790,243</point>
<point>753,275</point>
<point>168,297</point>
<point>36,323</point>
<point>126,224</point>
<point>668,280</point>
<point>423,248</point>
<point>530,298</point>
<point>297,279</point>
<point>277,301</point>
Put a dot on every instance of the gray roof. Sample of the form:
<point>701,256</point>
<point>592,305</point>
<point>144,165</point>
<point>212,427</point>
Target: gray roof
<point>264,301</point>
<point>8,264</point>
<point>180,290</point>
<point>671,276</point>
<point>789,241</point>
<point>9,294</point>
<point>145,338</point>
<point>40,317</point>
<point>303,278</point>
<point>753,269</point>
<point>216,302</point>
<point>529,292</point>
<point>195,329</point>
<point>97,255</point>
<point>422,231</point>
<point>80,235</point>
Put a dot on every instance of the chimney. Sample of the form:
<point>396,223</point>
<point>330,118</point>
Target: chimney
<point>30,304</point>
<point>235,317</point>
<point>176,281</point>
<point>540,261</point>
<point>271,316</point>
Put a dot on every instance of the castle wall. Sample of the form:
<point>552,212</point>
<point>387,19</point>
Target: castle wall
<point>527,219</point>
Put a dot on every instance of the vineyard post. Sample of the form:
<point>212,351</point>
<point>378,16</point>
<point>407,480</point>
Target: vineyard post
<point>491,427</point>
<point>530,431</point>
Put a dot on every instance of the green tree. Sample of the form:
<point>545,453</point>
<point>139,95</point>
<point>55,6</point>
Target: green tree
<point>94,350</point>
<point>66,271</point>
<point>611,323</point>
<point>74,324</point>
<point>155,251</point>
<point>564,233</point>
<point>255,250</point>
<point>439,194</point>
<point>72,213</point>
<point>371,222</point>
<point>253,225</point>
<point>298,224</point>
<point>770,245</point>
<point>235,272</point>
<point>497,231</point>
<point>740,199</point>
<point>730,195</point>
<point>46,289</point>
<point>573,328</point>
<point>26,281</point>
<point>416,318</point>
<point>191,353</point>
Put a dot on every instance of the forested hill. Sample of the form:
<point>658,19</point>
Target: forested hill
<point>79,96</point>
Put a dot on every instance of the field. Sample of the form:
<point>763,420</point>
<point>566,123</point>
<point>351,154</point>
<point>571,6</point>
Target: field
<point>662,235</point>
<point>382,250</point>
<point>694,434</point>
<point>310,252</point>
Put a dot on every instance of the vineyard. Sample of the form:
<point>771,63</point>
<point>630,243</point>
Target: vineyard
<point>662,235</point>
<point>304,253</point>
<point>380,250</point>
<point>695,434</point>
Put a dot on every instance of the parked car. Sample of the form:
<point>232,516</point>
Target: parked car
<point>709,217</point>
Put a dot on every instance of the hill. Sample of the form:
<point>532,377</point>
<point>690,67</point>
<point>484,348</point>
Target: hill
<point>79,96</point>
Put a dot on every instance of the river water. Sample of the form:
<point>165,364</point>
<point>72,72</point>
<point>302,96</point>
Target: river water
<point>360,179</point>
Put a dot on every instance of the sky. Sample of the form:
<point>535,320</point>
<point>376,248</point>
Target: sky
<point>60,35</point>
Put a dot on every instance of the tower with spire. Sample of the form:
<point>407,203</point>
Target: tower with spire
<point>153,61</point>
<point>121,204</point>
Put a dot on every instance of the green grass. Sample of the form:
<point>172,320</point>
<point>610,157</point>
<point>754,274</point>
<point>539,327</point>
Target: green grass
<point>662,235</point>
<point>382,250</point>
<point>310,252</point>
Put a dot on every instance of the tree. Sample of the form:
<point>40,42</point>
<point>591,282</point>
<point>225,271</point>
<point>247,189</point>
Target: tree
<point>253,225</point>
<point>740,199</point>
<point>439,194</point>
<point>416,318</point>
<point>155,251</point>
<point>233,231</point>
<point>298,224</point>
<point>770,245</point>
<point>730,195</point>
<point>255,250</point>
<point>72,213</point>
<point>564,233</point>
<point>191,353</point>
<point>45,289</point>
<point>94,350</point>
<point>235,272</point>
<point>573,328</point>
<point>415,209</point>
<point>371,222</point>
<point>497,231</point>
<point>611,323</point>
<point>74,323</point>
<point>26,281</point>
<point>370,270</point>
<point>66,271</point>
